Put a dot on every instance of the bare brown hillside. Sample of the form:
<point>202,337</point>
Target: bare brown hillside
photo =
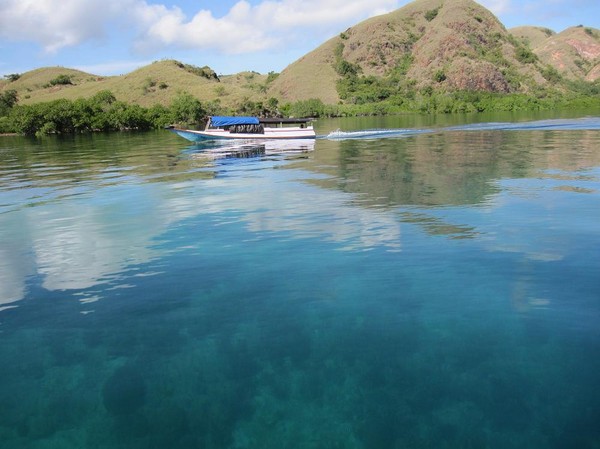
<point>449,44</point>
<point>575,52</point>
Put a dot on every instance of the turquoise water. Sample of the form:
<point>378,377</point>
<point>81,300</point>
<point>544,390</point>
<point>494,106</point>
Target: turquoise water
<point>437,289</point>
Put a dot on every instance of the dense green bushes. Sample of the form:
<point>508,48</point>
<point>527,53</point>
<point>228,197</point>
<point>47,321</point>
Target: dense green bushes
<point>102,112</point>
<point>429,101</point>
<point>307,108</point>
<point>61,80</point>
<point>525,55</point>
<point>431,14</point>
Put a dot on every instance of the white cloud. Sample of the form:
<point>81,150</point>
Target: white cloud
<point>236,32</point>
<point>57,24</point>
<point>246,28</point>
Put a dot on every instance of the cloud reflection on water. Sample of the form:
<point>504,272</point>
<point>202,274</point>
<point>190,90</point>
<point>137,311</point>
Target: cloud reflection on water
<point>79,242</point>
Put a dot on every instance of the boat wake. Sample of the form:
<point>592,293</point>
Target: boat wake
<point>586,123</point>
<point>375,133</point>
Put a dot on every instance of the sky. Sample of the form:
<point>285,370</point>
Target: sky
<point>111,37</point>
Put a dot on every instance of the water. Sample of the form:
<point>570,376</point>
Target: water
<point>585,123</point>
<point>432,290</point>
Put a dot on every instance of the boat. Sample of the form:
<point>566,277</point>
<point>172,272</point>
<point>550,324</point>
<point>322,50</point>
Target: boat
<point>249,128</point>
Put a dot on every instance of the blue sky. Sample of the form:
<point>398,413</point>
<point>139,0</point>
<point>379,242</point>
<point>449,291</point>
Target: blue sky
<point>108,37</point>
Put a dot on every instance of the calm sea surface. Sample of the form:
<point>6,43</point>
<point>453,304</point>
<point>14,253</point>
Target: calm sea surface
<point>431,284</point>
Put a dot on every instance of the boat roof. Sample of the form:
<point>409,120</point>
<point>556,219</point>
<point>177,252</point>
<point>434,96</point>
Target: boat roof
<point>219,120</point>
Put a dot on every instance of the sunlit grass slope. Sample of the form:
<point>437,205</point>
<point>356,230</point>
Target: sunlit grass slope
<point>158,82</point>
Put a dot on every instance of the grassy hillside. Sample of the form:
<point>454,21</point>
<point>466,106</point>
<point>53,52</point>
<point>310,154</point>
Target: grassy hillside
<point>531,36</point>
<point>312,76</point>
<point>37,83</point>
<point>157,83</point>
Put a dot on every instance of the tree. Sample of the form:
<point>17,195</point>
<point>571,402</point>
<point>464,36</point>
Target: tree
<point>7,100</point>
<point>132,116</point>
<point>58,117</point>
<point>103,99</point>
<point>273,106</point>
<point>313,107</point>
<point>13,77</point>
<point>159,116</point>
<point>28,119</point>
<point>187,109</point>
<point>83,114</point>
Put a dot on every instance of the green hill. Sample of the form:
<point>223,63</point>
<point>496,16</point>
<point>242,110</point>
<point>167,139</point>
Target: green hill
<point>37,83</point>
<point>157,83</point>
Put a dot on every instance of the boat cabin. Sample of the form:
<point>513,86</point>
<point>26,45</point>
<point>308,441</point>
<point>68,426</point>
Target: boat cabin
<point>252,125</point>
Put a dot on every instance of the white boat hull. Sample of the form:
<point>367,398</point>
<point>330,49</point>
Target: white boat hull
<point>283,133</point>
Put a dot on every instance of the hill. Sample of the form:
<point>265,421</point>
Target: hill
<point>531,36</point>
<point>37,82</point>
<point>574,52</point>
<point>443,44</point>
<point>156,83</point>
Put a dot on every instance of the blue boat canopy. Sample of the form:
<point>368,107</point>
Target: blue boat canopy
<point>228,121</point>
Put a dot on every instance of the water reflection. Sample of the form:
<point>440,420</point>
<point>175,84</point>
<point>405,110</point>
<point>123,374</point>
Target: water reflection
<point>76,244</point>
<point>245,149</point>
<point>79,240</point>
<point>449,169</point>
<point>437,226</point>
<point>79,220</point>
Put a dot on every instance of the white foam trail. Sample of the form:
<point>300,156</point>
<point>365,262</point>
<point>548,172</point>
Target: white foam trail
<point>375,133</point>
<point>585,123</point>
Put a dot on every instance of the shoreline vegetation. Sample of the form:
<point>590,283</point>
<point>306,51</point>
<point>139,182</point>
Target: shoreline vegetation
<point>364,97</point>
